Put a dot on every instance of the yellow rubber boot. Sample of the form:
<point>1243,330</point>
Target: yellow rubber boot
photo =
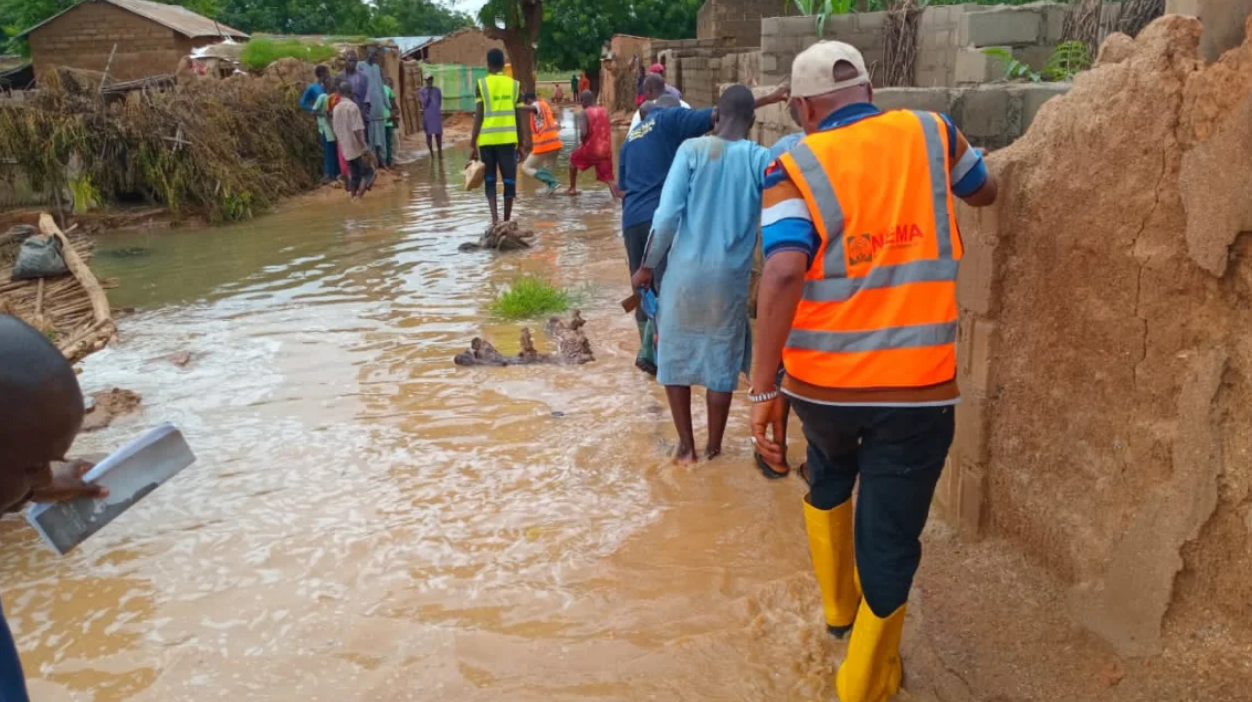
<point>871,671</point>
<point>830,543</point>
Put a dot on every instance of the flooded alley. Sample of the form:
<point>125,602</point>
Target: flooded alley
<point>367,521</point>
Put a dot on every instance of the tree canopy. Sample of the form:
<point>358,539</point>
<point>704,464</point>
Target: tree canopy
<point>574,30</point>
<point>333,17</point>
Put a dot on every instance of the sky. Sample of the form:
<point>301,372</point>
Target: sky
<point>469,6</point>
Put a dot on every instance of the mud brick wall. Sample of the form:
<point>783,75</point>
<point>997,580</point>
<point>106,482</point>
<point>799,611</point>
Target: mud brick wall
<point>85,36</point>
<point>1105,358</point>
<point>737,21</point>
<point>467,47</point>
<point>1222,19</point>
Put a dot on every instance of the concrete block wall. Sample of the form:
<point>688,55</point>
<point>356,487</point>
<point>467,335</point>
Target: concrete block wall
<point>737,21</point>
<point>693,65</point>
<point>783,38</point>
<point>949,46</point>
<point>990,116</point>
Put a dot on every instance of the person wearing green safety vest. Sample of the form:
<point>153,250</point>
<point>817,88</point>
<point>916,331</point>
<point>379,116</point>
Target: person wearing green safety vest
<point>495,138</point>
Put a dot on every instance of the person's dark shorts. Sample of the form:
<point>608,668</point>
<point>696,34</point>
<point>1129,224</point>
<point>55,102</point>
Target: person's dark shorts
<point>359,169</point>
<point>502,158</point>
<point>636,238</point>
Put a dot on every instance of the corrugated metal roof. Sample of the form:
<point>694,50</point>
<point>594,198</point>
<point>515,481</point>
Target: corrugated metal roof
<point>176,17</point>
<point>407,44</point>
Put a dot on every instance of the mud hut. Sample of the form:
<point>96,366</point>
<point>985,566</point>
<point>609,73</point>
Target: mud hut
<point>127,39</point>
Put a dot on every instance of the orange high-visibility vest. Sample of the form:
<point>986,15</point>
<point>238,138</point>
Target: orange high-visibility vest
<point>548,138</point>
<point>879,304</point>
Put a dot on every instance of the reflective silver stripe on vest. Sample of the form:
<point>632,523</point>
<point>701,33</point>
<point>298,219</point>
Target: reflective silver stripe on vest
<point>497,130</point>
<point>487,105</point>
<point>912,336</point>
<point>841,289</point>
<point>833,264</point>
<point>937,157</point>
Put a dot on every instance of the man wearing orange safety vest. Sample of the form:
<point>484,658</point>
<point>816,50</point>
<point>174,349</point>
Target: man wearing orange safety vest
<point>545,133</point>
<point>858,299</point>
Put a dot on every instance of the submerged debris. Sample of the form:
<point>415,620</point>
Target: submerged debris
<point>505,236</point>
<point>572,345</point>
<point>103,407</point>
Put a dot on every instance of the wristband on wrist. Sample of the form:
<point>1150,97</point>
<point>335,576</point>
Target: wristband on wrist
<point>762,397</point>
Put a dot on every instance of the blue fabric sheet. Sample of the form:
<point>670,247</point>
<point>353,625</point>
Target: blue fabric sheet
<point>706,224</point>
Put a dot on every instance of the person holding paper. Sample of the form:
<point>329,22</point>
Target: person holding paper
<point>41,411</point>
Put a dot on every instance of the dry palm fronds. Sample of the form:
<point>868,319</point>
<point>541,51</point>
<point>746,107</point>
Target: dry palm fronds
<point>224,147</point>
<point>1082,23</point>
<point>900,42</point>
<point>1134,15</point>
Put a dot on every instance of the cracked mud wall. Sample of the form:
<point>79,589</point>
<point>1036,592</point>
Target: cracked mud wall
<point>1106,344</point>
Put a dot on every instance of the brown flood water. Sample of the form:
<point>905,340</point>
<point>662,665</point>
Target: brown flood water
<point>367,521</point>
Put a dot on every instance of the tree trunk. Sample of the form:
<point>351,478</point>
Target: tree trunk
<point>522,56</point>
<point>520,32</point>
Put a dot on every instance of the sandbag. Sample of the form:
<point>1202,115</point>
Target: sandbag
<point>475,172</point>
<point>39,257</point>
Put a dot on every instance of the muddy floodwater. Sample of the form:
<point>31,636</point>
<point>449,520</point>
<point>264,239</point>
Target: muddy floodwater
<point>367,521</point>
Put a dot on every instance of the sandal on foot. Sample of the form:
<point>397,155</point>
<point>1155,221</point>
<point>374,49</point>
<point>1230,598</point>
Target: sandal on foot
<point>767,470</point>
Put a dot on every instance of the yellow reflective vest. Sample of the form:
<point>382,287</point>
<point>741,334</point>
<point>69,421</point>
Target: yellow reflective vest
<point>499,95</point>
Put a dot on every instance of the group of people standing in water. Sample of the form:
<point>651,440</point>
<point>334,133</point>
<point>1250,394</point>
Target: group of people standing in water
<point>856,313</point>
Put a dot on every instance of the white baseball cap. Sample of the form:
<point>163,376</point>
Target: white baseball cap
<point>813,71</point>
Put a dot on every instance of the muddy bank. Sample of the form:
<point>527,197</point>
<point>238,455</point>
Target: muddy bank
<point>1104,358</point>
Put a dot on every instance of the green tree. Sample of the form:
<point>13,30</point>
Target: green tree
<point>516,23</point>
<point>574,30</point>
<point>420,17</point>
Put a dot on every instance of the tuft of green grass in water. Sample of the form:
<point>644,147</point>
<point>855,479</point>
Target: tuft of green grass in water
<point>530,297</point>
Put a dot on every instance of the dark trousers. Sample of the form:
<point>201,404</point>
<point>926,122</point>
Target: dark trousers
<point>898,453</point>
<point>330,157</point>
<point>636,238</point>
<point>501,157</point>
<point>12,679</point>
<point>359,169</point>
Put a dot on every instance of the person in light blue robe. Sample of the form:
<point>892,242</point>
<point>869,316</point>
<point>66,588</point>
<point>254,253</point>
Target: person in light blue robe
<point>706,230</point>
<point>376,120</point>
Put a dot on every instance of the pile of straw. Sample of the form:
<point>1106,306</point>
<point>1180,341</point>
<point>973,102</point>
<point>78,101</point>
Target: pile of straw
<point>223,148</point>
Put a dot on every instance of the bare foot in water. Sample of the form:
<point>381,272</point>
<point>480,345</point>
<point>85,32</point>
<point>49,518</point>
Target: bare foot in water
<point>572,191</point>
<point>712,452</point>
<point>685,456</point>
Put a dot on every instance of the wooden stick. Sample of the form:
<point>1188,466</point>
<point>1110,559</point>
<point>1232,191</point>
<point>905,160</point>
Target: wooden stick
<point>87,279</point>
<point>106,68</point>
<point>39,299</point>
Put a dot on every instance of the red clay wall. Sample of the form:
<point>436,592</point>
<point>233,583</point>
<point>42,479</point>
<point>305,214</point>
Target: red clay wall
<point>84,37</point>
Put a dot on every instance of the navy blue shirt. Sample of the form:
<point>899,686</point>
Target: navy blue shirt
<point>647,154</point>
